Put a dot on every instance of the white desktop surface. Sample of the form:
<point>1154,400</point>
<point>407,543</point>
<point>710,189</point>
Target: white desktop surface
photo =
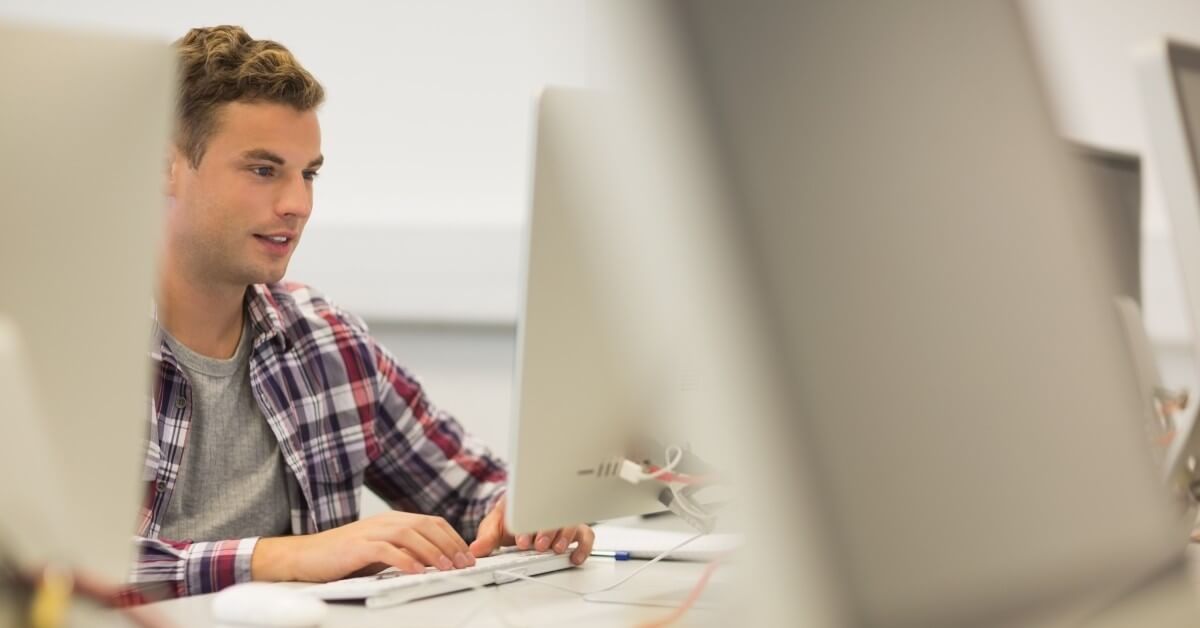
<point>1170,603</point>
<point>1165,603</point>
<point>522,603</point>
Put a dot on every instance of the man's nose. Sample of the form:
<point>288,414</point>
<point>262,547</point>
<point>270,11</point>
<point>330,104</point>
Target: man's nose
<point>295,199</point>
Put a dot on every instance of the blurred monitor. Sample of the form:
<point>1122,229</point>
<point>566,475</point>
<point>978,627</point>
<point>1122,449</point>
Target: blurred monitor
<point>1168,74</point>
<point>1169,85</point>
<point>1115,178</point>
<point>847,249</point>
<point>84,123</point>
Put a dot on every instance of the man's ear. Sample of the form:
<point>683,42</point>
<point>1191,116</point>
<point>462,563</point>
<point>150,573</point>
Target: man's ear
<point>175,164</point>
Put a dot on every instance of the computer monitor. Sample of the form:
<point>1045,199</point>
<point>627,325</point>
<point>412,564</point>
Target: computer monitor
<point>1115,178</point>
<point>951,432</point>
<point>1168,74</point>
<point>84,126</point>
<point>601,380</point>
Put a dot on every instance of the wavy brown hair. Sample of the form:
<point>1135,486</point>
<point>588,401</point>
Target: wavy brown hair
<point>223,64</point>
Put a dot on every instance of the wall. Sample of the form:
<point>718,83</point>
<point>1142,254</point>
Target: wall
<point>427,131</point>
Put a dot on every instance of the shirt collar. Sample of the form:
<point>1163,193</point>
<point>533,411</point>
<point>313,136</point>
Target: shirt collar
<point>261,307</point>
<point>264,315</point>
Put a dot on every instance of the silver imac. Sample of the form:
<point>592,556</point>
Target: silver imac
<point>84,122</point>
<point>1169,85</point>
<point>1168,75</point>
<point>1115,177</point>
<point>894,287</point>
<point>602,383</point>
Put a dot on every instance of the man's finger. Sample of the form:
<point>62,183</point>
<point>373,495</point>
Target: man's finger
<point>506,537</point>
<point>446,538</point>
<point>388,554</point>
<point>565,537</point>
<point>487,539</point>
<point>421,548</point>
<point>585,537</point>
<point>450,532</point>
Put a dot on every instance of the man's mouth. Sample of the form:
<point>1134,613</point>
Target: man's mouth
<point>277,243</point>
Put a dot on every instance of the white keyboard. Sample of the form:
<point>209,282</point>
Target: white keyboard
<point>392,586</point>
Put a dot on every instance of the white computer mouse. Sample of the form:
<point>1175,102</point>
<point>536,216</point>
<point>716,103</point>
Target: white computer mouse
<point>267,604</point>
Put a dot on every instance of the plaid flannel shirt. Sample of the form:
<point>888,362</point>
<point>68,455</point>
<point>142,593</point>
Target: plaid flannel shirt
<point>345,414</point>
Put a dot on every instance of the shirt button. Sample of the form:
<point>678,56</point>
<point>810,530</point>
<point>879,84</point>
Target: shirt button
<point>161,485</point>
<point>180,402</point>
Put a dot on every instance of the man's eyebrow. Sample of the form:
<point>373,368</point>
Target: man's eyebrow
<point>266,155</point>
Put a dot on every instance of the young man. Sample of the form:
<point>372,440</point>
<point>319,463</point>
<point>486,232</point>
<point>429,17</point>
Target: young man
<point>271,406</point>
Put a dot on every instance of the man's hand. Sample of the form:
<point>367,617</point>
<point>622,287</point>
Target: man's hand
<point>402,540</point>
<point>492,535</point>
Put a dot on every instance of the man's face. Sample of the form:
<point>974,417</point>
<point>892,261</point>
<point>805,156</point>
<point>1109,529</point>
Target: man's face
<point>237,217</point>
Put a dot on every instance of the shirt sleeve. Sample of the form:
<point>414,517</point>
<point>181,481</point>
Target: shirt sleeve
<point>427,462</point>
<point>167,569</point>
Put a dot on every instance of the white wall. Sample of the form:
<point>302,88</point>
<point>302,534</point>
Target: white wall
<point>1085,47</point>
<point>427,130</point>
<point>429,103</point>
<point>427,133</point>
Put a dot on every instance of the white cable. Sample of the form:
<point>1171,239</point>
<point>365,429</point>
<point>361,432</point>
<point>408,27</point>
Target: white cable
<point>647,565</point>
<point>495,594</point>
<point>489,603</point>
<point>520,576</point>
<point>491,596</point>
<point>672,462</point>
<point>603,589</point>
<point>674,454</point>
<point>684,503</point>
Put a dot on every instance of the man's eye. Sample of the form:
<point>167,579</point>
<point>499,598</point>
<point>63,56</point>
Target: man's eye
<point>263,171</point>
<point>310,174</point>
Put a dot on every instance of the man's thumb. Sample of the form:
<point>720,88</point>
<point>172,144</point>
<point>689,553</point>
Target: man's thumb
<point>488,536</point>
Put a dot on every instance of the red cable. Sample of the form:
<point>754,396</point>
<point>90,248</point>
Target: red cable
<point>688,603</point>
<point>678,478</point>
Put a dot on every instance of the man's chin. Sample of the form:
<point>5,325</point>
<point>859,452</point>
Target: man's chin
<point>273,278</point>
<point>264,276</point>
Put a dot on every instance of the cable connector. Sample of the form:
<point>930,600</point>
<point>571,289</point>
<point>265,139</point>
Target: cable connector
<point>631,471</point>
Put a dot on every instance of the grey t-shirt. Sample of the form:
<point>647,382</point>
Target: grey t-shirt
<point>232,481</point>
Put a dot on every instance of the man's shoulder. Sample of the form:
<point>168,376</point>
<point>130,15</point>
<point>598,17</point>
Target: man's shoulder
<point>304,312</point>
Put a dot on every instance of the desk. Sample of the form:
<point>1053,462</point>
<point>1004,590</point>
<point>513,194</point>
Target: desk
<point>522,603</point>
<point>1169,602</point>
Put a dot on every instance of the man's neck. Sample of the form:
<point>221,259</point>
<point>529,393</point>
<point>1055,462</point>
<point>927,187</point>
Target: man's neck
<point>206,318</point>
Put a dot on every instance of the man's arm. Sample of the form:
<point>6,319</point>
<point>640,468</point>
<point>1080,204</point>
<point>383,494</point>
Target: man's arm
<point>167,569</point>
<point>408,542</point>
<point>427,462</point>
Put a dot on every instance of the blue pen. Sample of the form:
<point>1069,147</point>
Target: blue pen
<point>615,555</point>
